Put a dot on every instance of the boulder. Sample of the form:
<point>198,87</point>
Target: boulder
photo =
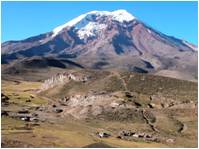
<point>128,95</point>
<point>25,118</point>
<point>103,134</point>
<point>141,135</point>
<point>54,106</point>
<point>58,110</point>
<point>135,135</point>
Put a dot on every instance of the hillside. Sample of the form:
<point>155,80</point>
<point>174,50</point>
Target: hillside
<point>135,110</point>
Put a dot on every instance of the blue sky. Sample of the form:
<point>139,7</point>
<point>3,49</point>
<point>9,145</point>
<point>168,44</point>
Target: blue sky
<point>24,19</point>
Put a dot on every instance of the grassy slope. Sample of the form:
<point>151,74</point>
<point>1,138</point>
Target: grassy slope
<point>62,134</point>
<point>144,85</point>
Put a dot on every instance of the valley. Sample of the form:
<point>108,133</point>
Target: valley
<point>92,108</point>
<point>103,79</point>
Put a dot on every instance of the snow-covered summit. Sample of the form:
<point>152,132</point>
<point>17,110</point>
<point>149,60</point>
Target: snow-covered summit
<point>83,20</point>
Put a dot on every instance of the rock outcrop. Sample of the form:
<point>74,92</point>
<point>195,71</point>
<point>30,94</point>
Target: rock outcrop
<point>62,78</point>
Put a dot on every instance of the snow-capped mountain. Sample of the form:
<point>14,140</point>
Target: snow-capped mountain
<point>88,24</point>
<point>103,40</point>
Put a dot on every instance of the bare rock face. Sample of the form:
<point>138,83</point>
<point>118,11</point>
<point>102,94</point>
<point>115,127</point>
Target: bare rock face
<point>116,39</point>
<point>62,78</point>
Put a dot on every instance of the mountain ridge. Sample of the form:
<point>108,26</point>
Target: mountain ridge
<point>109,40</point>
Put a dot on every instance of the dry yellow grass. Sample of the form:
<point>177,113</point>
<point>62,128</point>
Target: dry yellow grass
<point>73,133</point>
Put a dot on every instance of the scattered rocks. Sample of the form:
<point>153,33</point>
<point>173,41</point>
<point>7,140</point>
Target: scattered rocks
<point>40,108</point>
<point>25,115</point>
<point>147,135</point>
<point>63,101</point>
<point>126,133</point>
<point>4,100</point>
<point>14,144</point>
<point>58,110</point>
<point>131,95</point>
<point>4,113</point>
<point>151,105</point>
<point>25,118</point>
<point>130,135</point>
<point>128,94</point>
<point>28,100</point>
<point>28,118</point>
<point>159,101</point>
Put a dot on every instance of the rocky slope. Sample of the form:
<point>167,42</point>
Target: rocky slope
<point>82,94</point>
